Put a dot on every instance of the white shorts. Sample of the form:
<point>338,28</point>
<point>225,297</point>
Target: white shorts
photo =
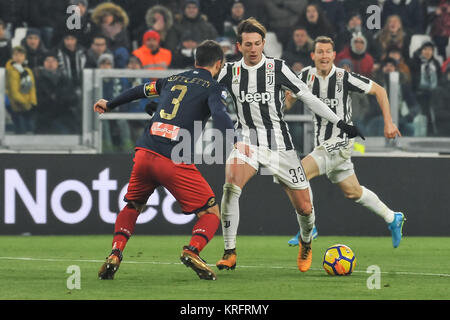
<point>336,164</point>
<point>285,166</point>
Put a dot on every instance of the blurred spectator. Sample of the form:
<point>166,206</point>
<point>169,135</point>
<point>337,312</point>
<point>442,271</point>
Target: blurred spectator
<point>357,53</point>
<point>345,64</point>
<point>426,74</point>
<point>71,58</point>
<point>354,24</point>
<point>116,133</point>
<point>283,14</point>
<point>34,47</point>
<point>47,16</point>
<point>111,20</point>
<point>444,65</point>
<point>216,11</point>
<point>361,6</point>
<point>160,19</point>
<point>409,11</point>
<point>86,30</point>
<point>255,8</point>
<point>5,45</point>
<point>55,112</point>
<point>231,22</point>
<point>440,27</point>
<point>84,33</point>
<point>228,49</point>
<point>410,119</point>
<point>98,47</point>
<point>334,10</point>
<point>152,56</point>
<point>439,100</point>
<point>392,35</point>
<point>192,21</point>
<point>316,22</point>
<point>298,51</point>
<point>396,54</point>
<point>184,55</point>
<point>21,92</point>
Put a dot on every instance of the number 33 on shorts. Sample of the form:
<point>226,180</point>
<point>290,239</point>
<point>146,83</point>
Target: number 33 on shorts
<point>298,175</point>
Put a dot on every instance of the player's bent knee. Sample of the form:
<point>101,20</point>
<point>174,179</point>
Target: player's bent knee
<point>212,210</point>
<point>138,206</point>
<point>353,194</point>
<point>305,209</point>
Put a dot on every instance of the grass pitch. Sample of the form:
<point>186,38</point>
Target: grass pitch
<point>35,267</point>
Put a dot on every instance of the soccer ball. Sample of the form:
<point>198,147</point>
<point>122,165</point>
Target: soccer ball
<point>339,260</point>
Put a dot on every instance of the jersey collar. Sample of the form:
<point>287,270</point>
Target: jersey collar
<point>263,60</point>
<point>333,70</point>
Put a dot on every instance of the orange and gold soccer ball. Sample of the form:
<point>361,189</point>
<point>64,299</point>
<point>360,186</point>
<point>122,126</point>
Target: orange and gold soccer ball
<point>339,260</point>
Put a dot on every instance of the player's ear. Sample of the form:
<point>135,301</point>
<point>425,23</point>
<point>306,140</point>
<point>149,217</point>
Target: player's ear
<point>239,46</point>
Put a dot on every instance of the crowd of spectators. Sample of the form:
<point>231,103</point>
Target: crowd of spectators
<point>44,70</point>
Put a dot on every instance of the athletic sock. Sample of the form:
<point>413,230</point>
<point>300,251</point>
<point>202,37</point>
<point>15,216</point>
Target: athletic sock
<point>124,227</point>
<point>204,230</point>
<point>371,201</point>
<point>306,222</point>
<point>230,214</point>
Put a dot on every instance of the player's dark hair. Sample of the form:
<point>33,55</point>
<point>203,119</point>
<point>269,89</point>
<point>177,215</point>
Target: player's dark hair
<point>323,39</point>
<point>2,23</point>
<point>248,26</point>
<point>208,53</point>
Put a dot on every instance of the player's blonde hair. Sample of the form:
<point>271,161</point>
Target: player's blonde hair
<point>248,26</point>
<point>323,39</point>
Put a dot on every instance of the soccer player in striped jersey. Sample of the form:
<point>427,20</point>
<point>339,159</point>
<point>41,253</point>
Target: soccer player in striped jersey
<point>332,153</point>
<point>257,85</point>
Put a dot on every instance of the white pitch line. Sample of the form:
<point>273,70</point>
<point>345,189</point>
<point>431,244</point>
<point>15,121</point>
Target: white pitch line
<point>212,265</point>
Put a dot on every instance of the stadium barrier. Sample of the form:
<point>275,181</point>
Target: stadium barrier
<point>81,194</point>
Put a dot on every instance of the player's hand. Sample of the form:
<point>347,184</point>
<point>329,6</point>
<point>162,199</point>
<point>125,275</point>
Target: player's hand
<point>351,131</point>
<point>290,99</point>
<point>391,131</point>
<point>243,148</point>
<point>100,106</point>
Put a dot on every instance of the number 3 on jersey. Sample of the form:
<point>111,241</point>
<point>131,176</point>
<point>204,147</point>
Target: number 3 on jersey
<point>175,101</point>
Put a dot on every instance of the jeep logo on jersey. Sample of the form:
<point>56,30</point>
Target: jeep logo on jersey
<point>254,97</point>
<point>330,102</point>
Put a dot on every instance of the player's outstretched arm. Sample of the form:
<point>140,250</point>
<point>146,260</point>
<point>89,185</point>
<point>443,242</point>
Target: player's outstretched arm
<point>390,129</point>
<point>139,92</point>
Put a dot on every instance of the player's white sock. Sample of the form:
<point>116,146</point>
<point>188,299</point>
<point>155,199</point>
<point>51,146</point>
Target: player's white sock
<point>371,201</point>
<point>230,214</point>
<point>306,223</point>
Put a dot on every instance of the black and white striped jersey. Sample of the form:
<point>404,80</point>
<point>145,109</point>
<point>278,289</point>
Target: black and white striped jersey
<point>334,91</point>
<point>259,94</point>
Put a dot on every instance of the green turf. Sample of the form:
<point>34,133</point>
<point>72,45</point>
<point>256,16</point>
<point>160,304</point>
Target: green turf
<point>418,269</point>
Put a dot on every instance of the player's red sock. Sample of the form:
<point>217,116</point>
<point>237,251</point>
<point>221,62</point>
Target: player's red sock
<point>124,227</point>
<point>204,230</point>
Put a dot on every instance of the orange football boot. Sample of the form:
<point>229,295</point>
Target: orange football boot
<point>228,260</point>
<point>304,257</point>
